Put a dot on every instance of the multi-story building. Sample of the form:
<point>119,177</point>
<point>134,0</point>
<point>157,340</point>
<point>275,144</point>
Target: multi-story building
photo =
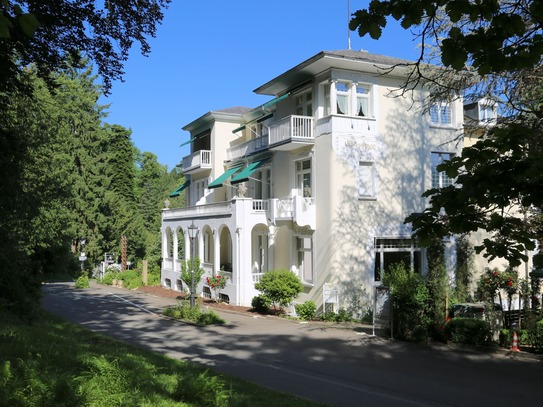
<point>318,180</point>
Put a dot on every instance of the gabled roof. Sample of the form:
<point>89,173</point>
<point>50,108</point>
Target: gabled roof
<point>325,60</point>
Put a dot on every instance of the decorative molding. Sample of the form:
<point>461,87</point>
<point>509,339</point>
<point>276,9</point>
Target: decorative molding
<point>302,230</point>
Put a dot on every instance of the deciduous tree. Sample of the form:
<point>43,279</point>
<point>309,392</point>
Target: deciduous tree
<point>491,49</point>
<point>45,33</point>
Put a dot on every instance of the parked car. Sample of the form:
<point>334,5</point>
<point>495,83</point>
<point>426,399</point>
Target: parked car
<point>473,310</point>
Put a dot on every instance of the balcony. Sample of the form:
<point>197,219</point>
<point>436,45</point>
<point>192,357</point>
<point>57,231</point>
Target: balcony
<point>247,148</point>
<point>200,160</point>
<point>291,132</point>
<point>297,209</point>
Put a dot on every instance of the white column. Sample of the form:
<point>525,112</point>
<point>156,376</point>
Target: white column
<point>175,250</point>
<point>271,247</point>
<point>333,97</point>
<point>216,252</point>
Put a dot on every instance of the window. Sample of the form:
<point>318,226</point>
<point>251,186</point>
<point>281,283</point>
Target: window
<point>304,104</point>
<point>199,189</point>
<point>441,114</point>
<point>352,99</point>
<point>262,183</point>
<point>342,98</point>
<point>327,104</point>
<point>362,100</point>
<point>439,178</point>
<point>260,253</point>
<point>208,246</point>
<point>304,258</point>
<point>487,113</point>
<point>202,141</point>
<point>303,178</point>
<point>395,251</point>
<point>365,179</point>
<point>258,130</point>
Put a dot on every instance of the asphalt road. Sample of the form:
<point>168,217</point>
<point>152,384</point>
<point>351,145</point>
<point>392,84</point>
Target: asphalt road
<point>340,367</point>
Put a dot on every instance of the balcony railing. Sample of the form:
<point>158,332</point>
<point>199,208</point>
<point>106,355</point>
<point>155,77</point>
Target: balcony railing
<point>247,148</point>
<point>291,129</point>
<point>197,160</point>
<point>218,209</point>
<point>298,209</point>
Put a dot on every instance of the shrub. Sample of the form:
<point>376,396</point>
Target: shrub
<point>82,282</point>
<point>185,312</point>
<point>368,317</point>
<point>341,316</point>
<point>328,315</point>
<point>410,296</point>
<point>131,279</point>
<point>261,304</point>
<point>216,283</point>
<point>537,337</point>
<point>505,339</point>
<point>110,275</point>
<point>306,311</point>
<point>280,286</point>
<point>469,331</point>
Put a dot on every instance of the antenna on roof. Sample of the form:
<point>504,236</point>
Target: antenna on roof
<point>348,31</point>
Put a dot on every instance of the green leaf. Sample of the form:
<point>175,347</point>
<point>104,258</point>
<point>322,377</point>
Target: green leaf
<point>375,31</point>
<point>29,24</point>
<point>5,25</point>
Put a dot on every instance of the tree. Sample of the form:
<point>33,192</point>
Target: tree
<point>486,35</point>
<point>187,273</point>
<point>66,175</point>
<point>46,32</point>
<point>492,49</point>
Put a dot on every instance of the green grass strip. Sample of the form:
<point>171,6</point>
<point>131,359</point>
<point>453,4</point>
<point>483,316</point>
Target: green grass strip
<point>53,362</point>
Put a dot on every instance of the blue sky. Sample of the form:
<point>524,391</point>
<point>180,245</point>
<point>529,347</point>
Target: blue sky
<point>210,55</point>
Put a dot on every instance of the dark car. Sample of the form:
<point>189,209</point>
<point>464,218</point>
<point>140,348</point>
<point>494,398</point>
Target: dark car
<point>472,310</point>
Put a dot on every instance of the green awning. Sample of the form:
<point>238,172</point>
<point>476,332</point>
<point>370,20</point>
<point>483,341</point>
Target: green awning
<point>240,128</point>
<point>188,142</point>
<point>265,117</point>
<point>178,191</point>
<point>218,182</point>
<point>274,101</point>
<point>247,171</point>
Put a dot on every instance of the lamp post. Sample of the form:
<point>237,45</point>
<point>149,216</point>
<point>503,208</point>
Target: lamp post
<point>193,232</point>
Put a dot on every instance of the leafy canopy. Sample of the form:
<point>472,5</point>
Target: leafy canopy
<point>494,49</point>
<point>488,35</point>
<point>46,32</point>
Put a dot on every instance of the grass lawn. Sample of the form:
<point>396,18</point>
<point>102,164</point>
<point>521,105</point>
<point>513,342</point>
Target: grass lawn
<point>56,363</point>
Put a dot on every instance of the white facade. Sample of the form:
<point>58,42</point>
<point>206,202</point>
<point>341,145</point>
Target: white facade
<point>319,180</point>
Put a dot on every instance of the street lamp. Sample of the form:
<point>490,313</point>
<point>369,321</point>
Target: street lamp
<point>193,232</point>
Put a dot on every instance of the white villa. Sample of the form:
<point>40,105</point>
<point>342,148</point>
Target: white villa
<point>318,180</point>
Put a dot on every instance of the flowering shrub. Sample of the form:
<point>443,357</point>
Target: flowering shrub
<point>216,283</point>
<point>494,281</point>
